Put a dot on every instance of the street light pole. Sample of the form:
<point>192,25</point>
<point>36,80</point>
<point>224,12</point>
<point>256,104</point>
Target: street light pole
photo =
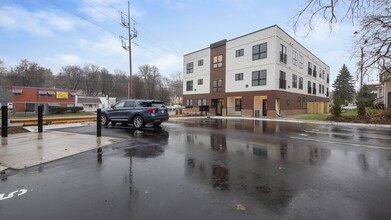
<point>130,55</point>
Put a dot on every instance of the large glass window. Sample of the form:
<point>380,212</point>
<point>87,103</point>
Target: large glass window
<point>283,56</point>
<point>189,103</point>
<point>189,85</point>
<point>218,61</point>
<point>260,51</point>
<point>282,81</point>
<point>294,81</point>
<point>259,78</point>
<point>238,105</point>
<point>301,83</point>
<point>189,67</point>
<point>217,85</point>
<point>309,87</point>
<point>201,102</point>
<point>314,88</point>
<point>309,68</point>
<point>294,58</point>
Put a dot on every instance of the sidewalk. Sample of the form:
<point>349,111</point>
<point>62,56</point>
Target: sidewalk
<point>23,150</point>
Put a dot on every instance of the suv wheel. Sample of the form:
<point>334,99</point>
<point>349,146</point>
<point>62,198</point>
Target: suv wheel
<point>104,119</point>
<point>138,121</point>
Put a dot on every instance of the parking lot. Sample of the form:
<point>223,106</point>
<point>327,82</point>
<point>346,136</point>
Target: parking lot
<point>206,168</point>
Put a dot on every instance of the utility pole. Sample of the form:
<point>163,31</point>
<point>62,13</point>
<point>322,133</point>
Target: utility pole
<point>361,66</point>
<point>126,24</point>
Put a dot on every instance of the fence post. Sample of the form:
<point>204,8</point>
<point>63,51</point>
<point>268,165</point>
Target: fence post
<point>40,118</point>
<point>4,121</point>
<point>98,122</point>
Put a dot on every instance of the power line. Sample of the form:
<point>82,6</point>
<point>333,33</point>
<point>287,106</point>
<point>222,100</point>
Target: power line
<point>102,13</point>
<point>81,17</point>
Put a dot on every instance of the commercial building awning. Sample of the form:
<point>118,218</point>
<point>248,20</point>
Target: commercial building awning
<point>41,92</point>
<point>17,91</point>
<point>51,93</point>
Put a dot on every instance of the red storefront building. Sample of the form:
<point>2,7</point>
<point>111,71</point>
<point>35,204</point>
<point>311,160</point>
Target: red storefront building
<point>27,99</point>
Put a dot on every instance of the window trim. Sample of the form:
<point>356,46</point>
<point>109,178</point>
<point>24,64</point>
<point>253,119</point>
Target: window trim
<point>282,80</point>
<point>217,61</point>
<point>188,86</point>
<point>259,79</point>
<point>294,81</point>
<point>260,54</point>
<point>200,82</point>
<point>190,67</point>
<point>238,76</point>
<point>200,62</point>
<point>239,52</point>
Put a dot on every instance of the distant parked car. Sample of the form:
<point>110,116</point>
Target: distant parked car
<point>174,107</point>
<point>349,107</point>
<point>136,112</point>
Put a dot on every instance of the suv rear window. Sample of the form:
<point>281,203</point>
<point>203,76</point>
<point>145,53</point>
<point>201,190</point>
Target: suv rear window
<point>157,104</point>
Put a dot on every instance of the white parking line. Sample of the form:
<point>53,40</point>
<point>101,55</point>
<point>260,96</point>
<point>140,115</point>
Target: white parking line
<point>341,143</point>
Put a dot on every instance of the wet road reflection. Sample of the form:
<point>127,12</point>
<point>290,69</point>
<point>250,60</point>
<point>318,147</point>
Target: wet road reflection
<point>203,168</point>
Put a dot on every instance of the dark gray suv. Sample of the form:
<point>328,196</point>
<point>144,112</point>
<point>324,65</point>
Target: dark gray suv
<point>136,112</point>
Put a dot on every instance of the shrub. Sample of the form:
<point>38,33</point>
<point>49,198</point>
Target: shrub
<point>75,109</point>
<point>336,109</point>
<point>58,109</point>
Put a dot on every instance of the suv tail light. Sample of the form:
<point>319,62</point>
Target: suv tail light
<point>151,110</point>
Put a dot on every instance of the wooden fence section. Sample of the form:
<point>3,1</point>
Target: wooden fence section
<point>318,107</point>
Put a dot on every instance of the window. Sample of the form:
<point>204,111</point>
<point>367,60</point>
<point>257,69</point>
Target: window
<point>328,78</point>
<point>294,81</point>
<point>323,74</point>
<point>200,81</point>
<point>260,51</point>
<point>320,72</point>
<point>189,85</point>
<point>189,103</point>
<point>259,78</point>
<point>327,92</point>
<point>314,88</point>
<point>304,100</point>
<point>217,85</point>
<point>294,58</point>
<point>30,107</point>
<point>218,61</point>
<point>309,87</point>
<point>129,104</point>
<point>189,67</point>
<point>282,84</point>
<point>301,61</point>
<point>299,106</point>
<point>201,102</point>
<point>314,74</point>
<point>309,68</point>
<point>320,89</point>
<point>239,52</point>
<point>238,76</point>
<point>282,53</point>
<point>238,105</point>
<point>301,83</point>
<point>200,62</point>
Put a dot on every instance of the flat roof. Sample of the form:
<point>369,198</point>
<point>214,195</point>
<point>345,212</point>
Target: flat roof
<point>219,42</point>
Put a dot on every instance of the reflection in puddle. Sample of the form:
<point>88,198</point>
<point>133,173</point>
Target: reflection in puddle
<point>220,177</point>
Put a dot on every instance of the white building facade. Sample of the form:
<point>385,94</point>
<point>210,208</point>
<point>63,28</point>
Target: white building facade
<point>264,73</point>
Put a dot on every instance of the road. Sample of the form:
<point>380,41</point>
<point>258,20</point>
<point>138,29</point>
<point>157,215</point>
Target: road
<point>213,169</point>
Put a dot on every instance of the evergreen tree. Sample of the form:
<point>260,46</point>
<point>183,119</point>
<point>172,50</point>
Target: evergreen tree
<point>343,86</point>
<point>364,99</point>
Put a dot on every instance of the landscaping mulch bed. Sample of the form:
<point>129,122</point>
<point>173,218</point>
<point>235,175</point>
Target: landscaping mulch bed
<point>362,119</point>
<point>16,130</point>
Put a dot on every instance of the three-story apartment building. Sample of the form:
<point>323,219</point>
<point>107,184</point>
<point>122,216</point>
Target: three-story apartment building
<point>264,73</point>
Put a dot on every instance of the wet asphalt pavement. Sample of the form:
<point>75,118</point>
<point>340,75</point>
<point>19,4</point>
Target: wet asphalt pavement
<point>213,169</point>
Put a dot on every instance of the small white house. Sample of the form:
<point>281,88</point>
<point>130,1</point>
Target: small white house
<point>91,104</point>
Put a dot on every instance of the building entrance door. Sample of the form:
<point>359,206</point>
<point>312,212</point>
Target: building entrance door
<point>264,107</point>
<point>218,103</point>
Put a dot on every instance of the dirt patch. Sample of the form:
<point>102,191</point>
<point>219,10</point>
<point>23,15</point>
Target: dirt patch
<point>16,130</point>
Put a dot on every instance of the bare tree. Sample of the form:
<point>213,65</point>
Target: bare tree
<point>138,87</point>
<point>151,77</point>
<point>176,87</point>
<point>70,77</point>
<point>373,37</point>
<point>120,84</point>
<point>3,73</point>
<point>29,74</point>
<point>91,79</point>
<point>164,90</point>
<point>106,81</point>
